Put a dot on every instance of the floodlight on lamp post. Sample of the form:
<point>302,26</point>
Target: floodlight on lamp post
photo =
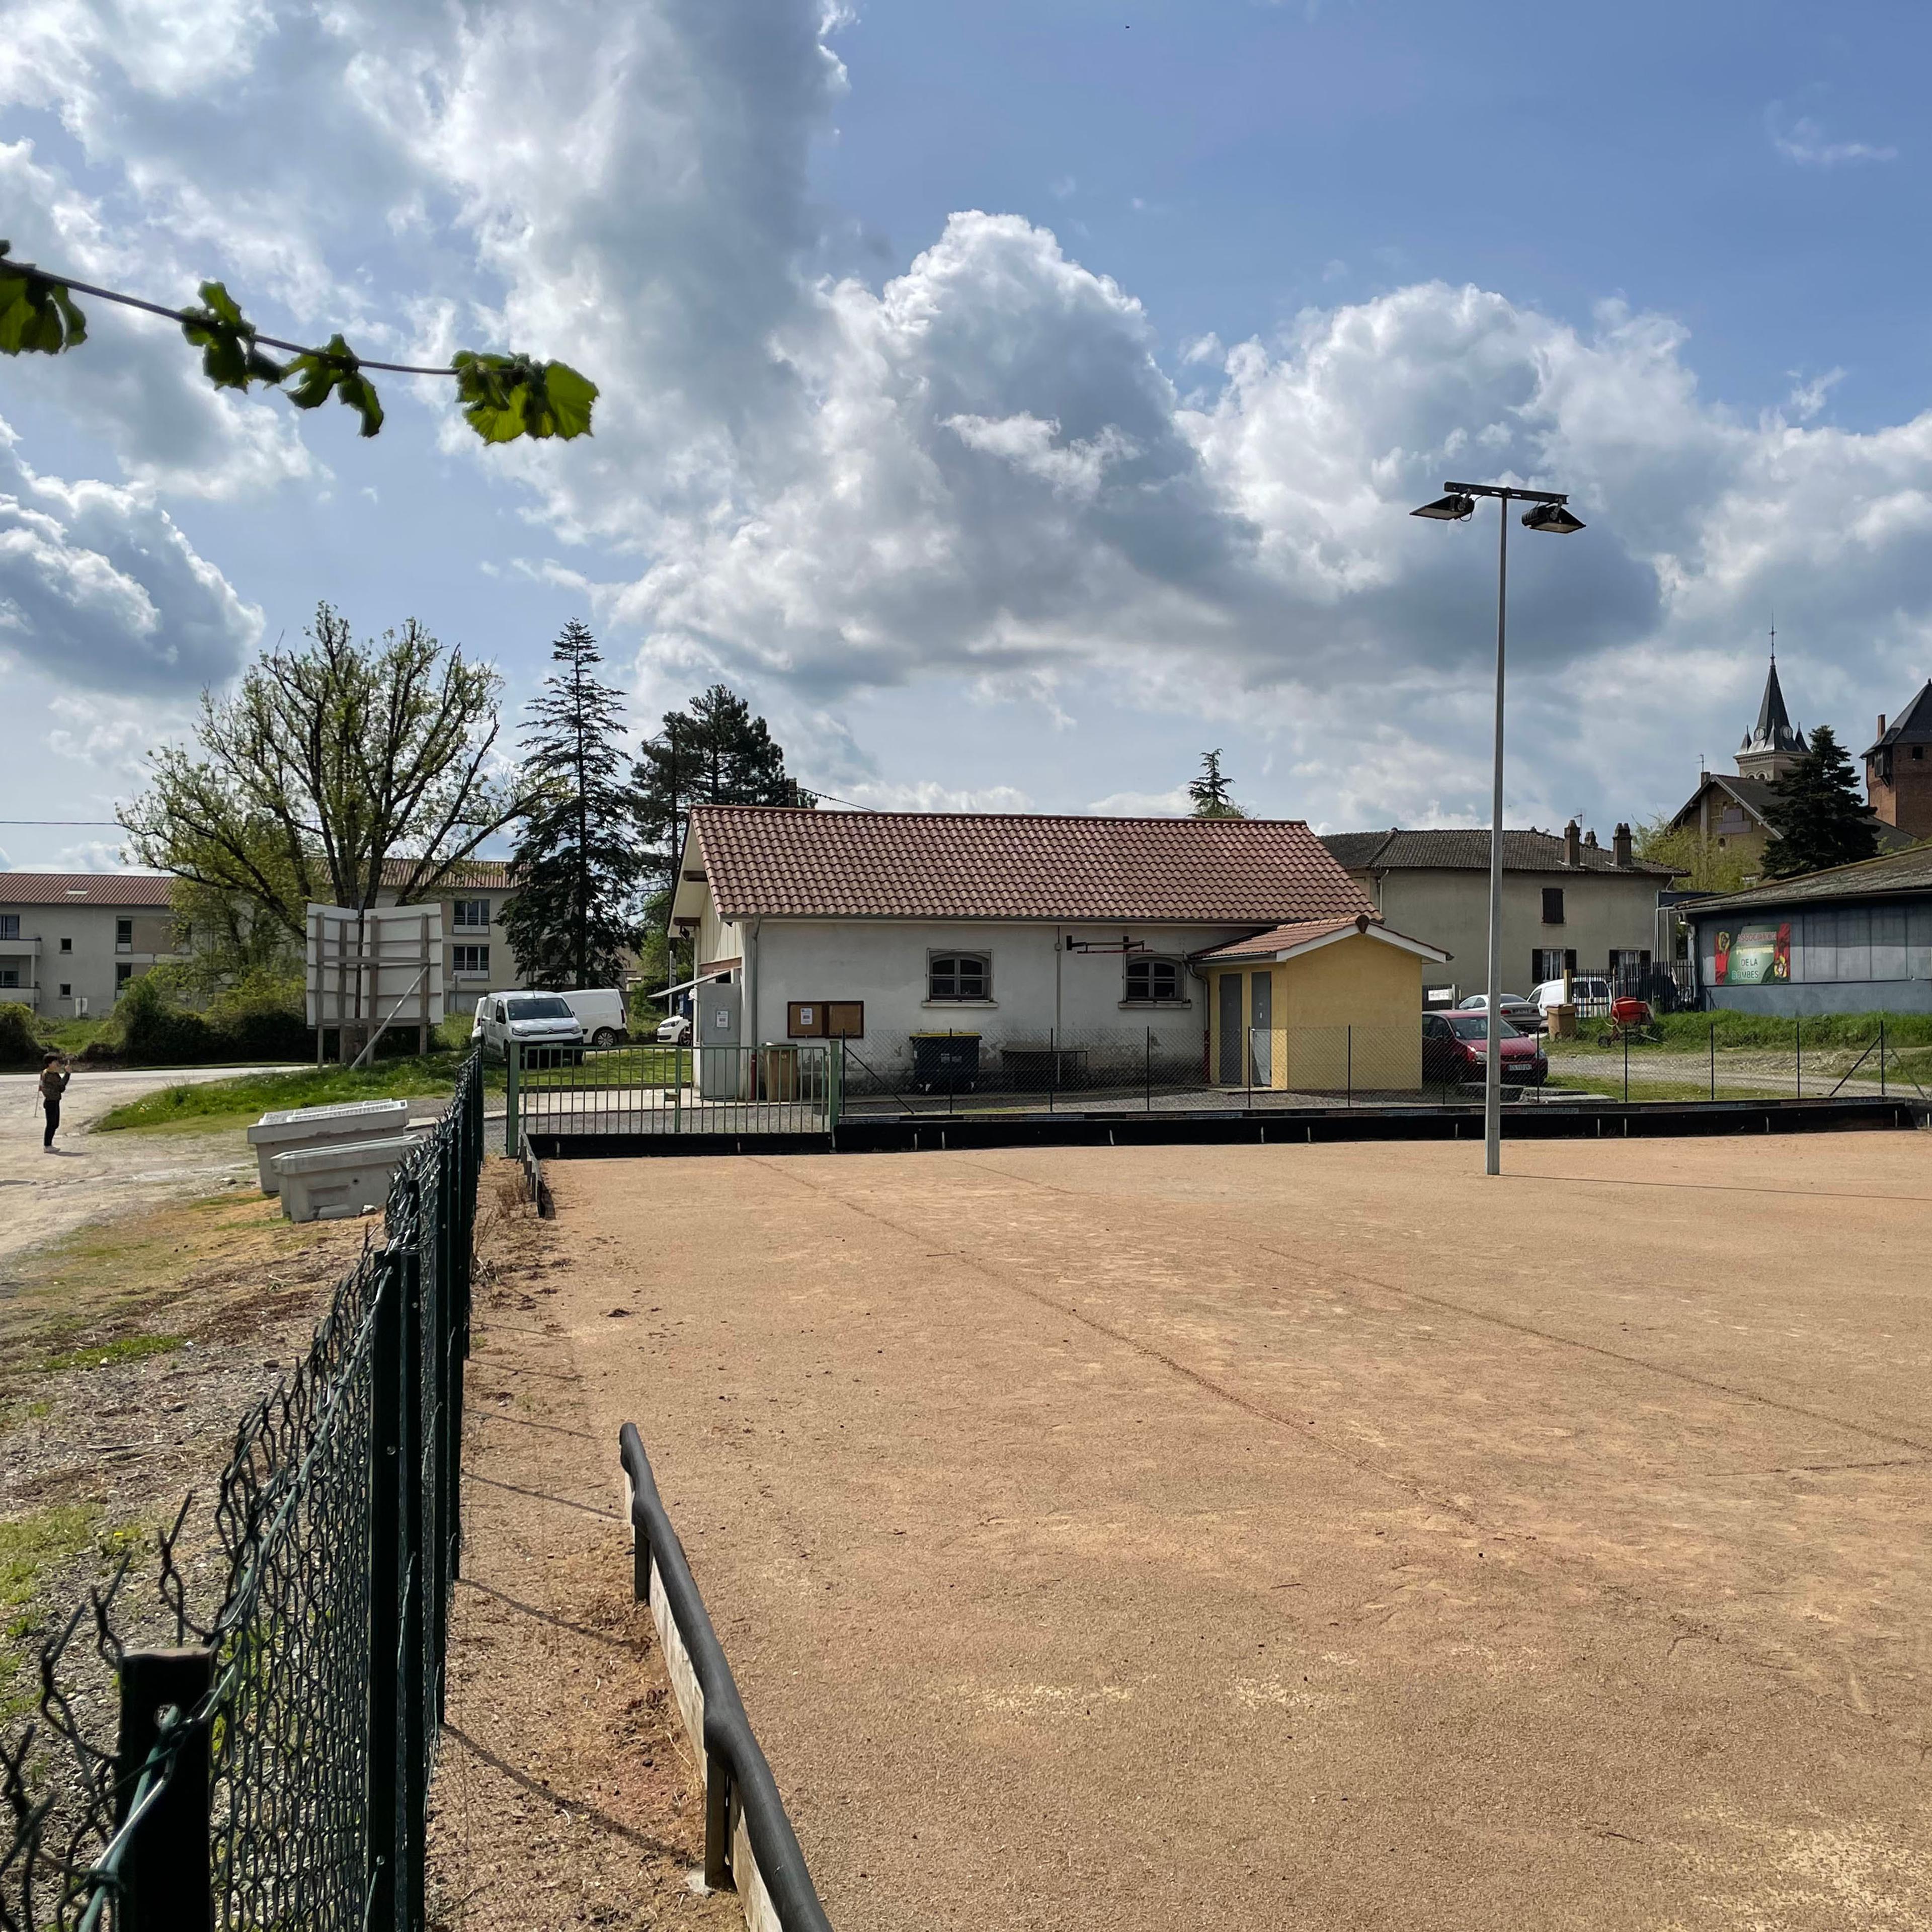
<point>1547,513</point>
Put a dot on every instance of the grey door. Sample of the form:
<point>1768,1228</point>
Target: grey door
<point>1232,1037</point>
<point>1260,1007</point>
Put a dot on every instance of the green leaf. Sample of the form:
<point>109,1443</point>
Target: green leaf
<point>226,338</point>
<point>318,373</point>
<point>505,397</point>
<point>38,315</point>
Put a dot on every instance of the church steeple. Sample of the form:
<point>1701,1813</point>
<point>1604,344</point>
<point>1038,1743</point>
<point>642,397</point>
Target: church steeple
<point>1773,745</point>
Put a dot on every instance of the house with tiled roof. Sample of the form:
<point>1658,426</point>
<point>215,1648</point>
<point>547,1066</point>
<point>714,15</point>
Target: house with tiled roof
<point>1569,904</point>
<point>1032,937</point>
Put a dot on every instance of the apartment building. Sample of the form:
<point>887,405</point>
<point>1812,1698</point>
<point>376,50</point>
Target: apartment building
<point>70,941</point>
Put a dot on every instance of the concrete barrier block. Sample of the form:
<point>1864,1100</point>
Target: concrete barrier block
<point>301,1127</point>
<point>335,1183</point>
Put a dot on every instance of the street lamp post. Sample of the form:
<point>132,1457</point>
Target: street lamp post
<point>1547,513</point>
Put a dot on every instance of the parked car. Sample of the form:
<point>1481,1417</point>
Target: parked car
<point>674,1030</point>
<point>1590,991</point>
<point>1525,1015</point>
<point>1455,1051</point>
<point>533,1020</point>
<point>600,1011</point>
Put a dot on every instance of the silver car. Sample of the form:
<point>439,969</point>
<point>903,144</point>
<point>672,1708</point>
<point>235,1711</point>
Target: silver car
<point>1525,1015</point>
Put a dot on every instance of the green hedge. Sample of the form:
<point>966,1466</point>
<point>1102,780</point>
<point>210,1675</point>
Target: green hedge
<point>155,1033</point>
<point>18,1045</point>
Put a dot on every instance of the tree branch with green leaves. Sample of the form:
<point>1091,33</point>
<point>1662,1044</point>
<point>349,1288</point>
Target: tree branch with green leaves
<point>502,397</point>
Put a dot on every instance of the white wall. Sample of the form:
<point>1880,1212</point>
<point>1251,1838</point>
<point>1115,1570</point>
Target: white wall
<point>883,963</point>
<point>89,969</point>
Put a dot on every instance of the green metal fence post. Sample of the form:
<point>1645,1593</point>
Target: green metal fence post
<point>165,1882</point>
<point>415,1686</point>
<point>387,1831</point>
<point>512,1054</point>
<point>1881,1056</point>
<point>1713,1060</point>
<point>1626,1034</point>
<point>1799,1025</point>
<point>1348,1092</point>
<point>1149,1069</point>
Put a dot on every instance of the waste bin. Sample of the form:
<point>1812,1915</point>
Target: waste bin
<point>777,1071</point>
<point>1563,1022</point>
<point>945,1063</point>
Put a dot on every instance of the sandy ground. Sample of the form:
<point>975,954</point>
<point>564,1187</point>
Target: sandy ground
<point>89,1175</point>
<point>1324,1536</point>
<point>564,1793</point>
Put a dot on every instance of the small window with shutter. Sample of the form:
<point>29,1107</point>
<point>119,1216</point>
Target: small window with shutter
<point>1552,905</point>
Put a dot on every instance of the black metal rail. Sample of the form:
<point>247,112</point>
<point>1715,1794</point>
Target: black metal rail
<point>738,1782</point>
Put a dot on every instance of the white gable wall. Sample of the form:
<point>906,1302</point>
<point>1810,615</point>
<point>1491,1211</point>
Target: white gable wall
<point>1037,985</point>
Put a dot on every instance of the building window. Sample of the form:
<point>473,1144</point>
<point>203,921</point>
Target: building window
<point>66,991</point>
<point>124,935</point>
<point>1919,750</point>
<point>470,959</point>
<point>124,971</point>
<point>958,976</point>
<point>9,926</point>
<point>1151,981</point>
<point>473,914</point>
<point>1552,905</point>
<point>9,976</point>
<point>67,945</point>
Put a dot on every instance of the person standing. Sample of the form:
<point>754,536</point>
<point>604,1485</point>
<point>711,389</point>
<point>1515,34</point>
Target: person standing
<point>54,1077</point>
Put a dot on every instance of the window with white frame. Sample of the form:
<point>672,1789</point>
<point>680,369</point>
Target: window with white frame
<point>469,960</point>
<point>9,926</point>
<point>471,914</point>
<point>959,976</point>
<point>1153,982</point>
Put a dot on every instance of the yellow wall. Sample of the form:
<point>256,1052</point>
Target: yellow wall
<point>1347,1015</point>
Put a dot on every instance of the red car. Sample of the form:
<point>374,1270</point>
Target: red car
<point>1455,1047</point>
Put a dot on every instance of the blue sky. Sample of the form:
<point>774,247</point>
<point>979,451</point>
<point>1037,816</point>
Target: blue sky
<point>1013,399</point>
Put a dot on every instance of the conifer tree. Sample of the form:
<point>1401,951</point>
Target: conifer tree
<point>578,860</point>
<point>1816,815</point>
<point>713,752</point>
<point>1214,791</point>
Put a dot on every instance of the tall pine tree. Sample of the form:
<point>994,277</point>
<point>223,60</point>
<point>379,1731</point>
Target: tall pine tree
<point>1816,815</point>
<point>578,860</point>
<point>1214,791</point>
<point>713,752</point>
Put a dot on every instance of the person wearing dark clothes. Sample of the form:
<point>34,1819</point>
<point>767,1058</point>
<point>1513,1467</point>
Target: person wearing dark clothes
<point>54,1077</point>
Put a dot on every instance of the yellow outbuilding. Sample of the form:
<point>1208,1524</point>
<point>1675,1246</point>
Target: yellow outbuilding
<point>1329,1005</point>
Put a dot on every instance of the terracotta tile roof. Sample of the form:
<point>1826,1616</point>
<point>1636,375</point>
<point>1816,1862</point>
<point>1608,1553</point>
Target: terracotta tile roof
<point>775,862</point>
<point>102,889</point>
<point>1461,851</point>
<point>1285,938</point>
<point>486,874</point>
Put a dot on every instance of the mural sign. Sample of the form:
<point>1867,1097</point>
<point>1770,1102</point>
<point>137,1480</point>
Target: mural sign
<point>1754,955</point>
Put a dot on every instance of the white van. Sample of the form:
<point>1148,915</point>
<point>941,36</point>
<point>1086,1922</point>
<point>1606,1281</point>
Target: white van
<point>533,1020</point>
<point>600,1011</point>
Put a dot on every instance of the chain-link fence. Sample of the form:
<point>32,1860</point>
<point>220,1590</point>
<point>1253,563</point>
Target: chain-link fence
<point>270,1767</point>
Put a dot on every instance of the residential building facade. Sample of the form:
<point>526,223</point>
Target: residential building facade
<point>71,941</point>
<point>1569,904</point>
<point>477,956</point>
<point>1015,930</point>
<point>1898,772</point>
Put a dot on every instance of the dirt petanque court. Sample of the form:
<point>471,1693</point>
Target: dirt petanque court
<point>1312,1537</point>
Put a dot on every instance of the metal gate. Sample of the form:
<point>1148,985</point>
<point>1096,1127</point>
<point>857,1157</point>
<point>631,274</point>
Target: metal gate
<point>593,1091</point>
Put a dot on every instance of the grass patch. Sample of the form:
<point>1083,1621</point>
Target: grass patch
<point>1610,1086</point>
<point>122,1349</point>
<point>33,1548</point>
<point>1690,1033</point>
<point>208,1104</point>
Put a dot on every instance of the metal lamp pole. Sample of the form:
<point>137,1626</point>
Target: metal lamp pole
<point>1547,513</point>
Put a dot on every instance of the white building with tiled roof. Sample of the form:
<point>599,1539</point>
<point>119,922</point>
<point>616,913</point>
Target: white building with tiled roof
<point>1015,930</point>
<point>70,941</point>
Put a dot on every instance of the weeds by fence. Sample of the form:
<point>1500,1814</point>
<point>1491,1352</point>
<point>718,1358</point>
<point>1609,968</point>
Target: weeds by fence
<point>271,1767</point>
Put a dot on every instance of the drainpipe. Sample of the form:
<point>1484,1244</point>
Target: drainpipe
<point>750,998</point>
<point>1059,947</point>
